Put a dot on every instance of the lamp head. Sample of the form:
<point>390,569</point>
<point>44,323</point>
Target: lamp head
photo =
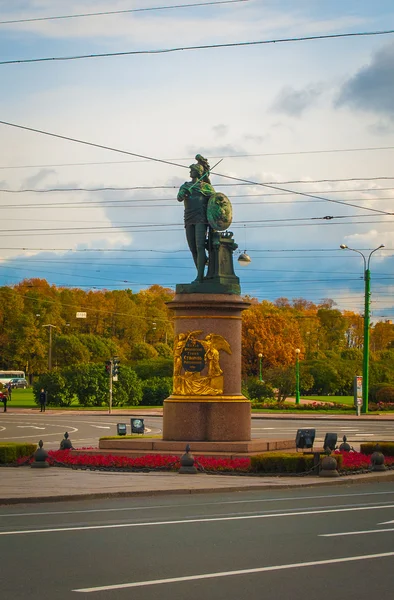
<point>260,355</point>
<point>297,350</point>
<point>343,247</point>
<point>244,259</point>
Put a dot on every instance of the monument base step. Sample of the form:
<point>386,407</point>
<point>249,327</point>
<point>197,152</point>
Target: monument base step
<point>142,447</point>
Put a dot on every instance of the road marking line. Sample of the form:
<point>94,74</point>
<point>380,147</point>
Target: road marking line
<point>101,426</point>
<point>193,504</point>
<point>29,426</point>
<point>192,521</point>
<point>386,523</point>
<point>313,563</point>
<point>356,532</point>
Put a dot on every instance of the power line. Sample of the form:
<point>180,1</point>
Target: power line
<point>132,203</point>
<point>118,12</point>
<point>127,162</point>
<point>55,135</point>
<point>202,47</point>
<point>166,229</point>
<point>269,250</point>
<point>172,187</point>
<point>132,226</point>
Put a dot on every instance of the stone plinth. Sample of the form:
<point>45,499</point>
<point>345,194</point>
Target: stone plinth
<point>225,416</point>
<point>231,449</point>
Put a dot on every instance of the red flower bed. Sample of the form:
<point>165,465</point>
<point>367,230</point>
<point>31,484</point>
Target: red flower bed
<point>149,461</point>
<point>354,461</point>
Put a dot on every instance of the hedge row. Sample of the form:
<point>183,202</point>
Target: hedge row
<point>387,448</point>
<point>289,462</point>
<point>11,451</point>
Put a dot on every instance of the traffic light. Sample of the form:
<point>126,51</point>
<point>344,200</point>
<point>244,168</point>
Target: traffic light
<point>108,367</point>
<point>115,370</point>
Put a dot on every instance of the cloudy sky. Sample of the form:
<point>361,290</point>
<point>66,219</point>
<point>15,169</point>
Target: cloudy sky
<point>312,117</point>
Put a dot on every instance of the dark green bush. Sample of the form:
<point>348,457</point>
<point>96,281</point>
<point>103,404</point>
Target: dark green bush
<point>278,462</point>
<point>260,390</point>
<point>381,392</point>
<point>387,448</point>
<point>285,462</point>
<point>161,367</point>
<point>156,390</point>
<point>11,451</point>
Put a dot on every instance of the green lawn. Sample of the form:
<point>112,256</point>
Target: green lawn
<point>25,399</point>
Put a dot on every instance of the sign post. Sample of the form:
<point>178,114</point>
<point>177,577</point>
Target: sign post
<point>358,393</point>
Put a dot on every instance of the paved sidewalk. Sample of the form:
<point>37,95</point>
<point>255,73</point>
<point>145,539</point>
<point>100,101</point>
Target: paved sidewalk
<point>26,485</point>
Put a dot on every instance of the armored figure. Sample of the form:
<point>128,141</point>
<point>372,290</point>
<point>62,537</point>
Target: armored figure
<point>195,195</point>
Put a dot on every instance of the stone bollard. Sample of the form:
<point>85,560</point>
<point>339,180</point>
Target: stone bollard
<point>40,456</point>
<point>377,460</point>
<point>187,462</point>
<point>344,447</point>
<point>66,444</point>
<point>328,466</point>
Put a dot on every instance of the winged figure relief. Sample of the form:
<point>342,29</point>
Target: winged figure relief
<point>213,343</point>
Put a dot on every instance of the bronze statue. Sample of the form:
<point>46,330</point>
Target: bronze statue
<point>195,195</point>
<point>207,215</point>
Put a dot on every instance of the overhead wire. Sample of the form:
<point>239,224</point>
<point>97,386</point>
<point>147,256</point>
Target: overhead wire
<point>127,162</point>
<point>200,47</point>
<point>119,12</point>
<point>84,142</point>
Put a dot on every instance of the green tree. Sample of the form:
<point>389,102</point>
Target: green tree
<point>69,350</point>
<point>143,351</point>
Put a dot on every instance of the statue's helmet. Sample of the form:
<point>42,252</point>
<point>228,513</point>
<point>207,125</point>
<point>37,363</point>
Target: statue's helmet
<point>198,169</point>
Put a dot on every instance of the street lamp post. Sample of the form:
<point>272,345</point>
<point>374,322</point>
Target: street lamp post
<point>260,370</point>
<point>50,345</point>
<point>367,298</point>
<point>297,394</point>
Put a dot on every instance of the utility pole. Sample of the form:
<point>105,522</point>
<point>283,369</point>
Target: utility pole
<point>50,345</point>
<point>109,369</point>
<point>367,297</point>
<point>297,394</point>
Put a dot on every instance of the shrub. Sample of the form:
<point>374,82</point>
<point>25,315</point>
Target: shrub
<point>161,367</point>
<point>55,384</point>
<point>376,392</point>
<point>260,390</point>
<point>278,462</point>
<point>143,351</point>
<point>387,448</point>
<point>163,350</point>
<point>156,390</point>
<point>11,451</point>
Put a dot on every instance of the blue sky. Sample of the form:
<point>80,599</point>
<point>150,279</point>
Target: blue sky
<point>302,116</point>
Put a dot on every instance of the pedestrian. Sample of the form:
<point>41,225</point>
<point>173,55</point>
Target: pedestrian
<point>9,387</point>
<point>43,399</point>
<point>5,398</point>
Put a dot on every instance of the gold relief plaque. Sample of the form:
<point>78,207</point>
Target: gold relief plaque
<point>193,356</point>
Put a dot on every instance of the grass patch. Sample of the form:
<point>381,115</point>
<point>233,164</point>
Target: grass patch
<point>22,399</point>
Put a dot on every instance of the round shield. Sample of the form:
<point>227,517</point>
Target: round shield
<point>219,212</point>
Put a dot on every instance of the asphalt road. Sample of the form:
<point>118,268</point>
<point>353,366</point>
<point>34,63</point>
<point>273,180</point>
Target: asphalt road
<point>85,430</point>
<point>329,543</point>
